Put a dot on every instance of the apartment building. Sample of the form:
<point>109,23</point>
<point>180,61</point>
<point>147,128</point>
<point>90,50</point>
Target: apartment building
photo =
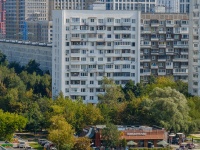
<point>20,11</point>
<point>164,45</point>
<point>2,19</point>
<point>194,55</point>
<point>90,44</point>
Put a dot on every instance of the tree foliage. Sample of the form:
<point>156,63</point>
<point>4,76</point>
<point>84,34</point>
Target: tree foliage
<point>110,135</point>
<point>61,133</point>
<point>9,123</point>
<point>82,143</point>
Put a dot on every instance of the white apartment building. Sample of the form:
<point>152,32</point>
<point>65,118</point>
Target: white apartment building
<point>171,6</point>
<point>90,44</point>
<point>164,45</point>
<point>194,55</point>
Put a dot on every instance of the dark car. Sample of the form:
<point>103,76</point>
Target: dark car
<point>190,146</point>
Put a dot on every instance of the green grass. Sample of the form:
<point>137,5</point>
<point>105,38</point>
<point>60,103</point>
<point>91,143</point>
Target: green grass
<point>36,146</point>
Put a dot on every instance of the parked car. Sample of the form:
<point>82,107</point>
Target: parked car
<point>28,148</point>
<point>190,146</point>
<point>44,142</point>
<point>22,144</point>
<point>40,141</point>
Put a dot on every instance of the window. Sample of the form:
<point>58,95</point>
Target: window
<point>91,90</point>
<point>100,59</point>
<point>83,82</point>
<point>91,82</point>
<point>91,20</point>
<point>91,97</point>
<point>67,20</point>
<point>92,59</point>
<point>83,58</point>
<point>83,90</point>
<point>100,20</point>
<point>67,43</point>
<point>108,28</point>
<point>109,36</point>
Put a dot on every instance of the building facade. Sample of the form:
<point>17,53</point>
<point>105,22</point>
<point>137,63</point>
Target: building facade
<point>185,6</point>
<point>171,6</point>
<point>194,55</point>
<point>20,11</point>
<point>164,46</point>
<point>2,19</point>
<point>39,31</point>
<point>88,45</point>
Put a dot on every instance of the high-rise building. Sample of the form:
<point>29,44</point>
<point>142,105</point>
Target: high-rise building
<point>194,55</point>
<point>18,12</point>
<point>185,6</point>
<point>2,19</point>
<point>164,45</point>
<point>90,44</point>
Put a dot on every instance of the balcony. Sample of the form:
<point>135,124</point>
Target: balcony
<point>75,39</point>
<point>169,66</point>
<point>181,46</point>
<point>155,39</point>
<point>180,71</point>
<point>161,73</point>
<point>146,32</point>
<point>180,60</point>
<point>169,39</point>
<point>169,25</point>
<point>161,59</point>
<point>101,31</point>
<point>154,52</point>
<point>155,24</point>
<point>146,73</point>
<point>79,46</point>
<point>162,45</point>
<point>148,45</point>
<point>154,66</point>
<point>162,32</point>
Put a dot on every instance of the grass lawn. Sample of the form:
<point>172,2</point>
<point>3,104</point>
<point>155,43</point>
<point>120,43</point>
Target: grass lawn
<point>36,146</point>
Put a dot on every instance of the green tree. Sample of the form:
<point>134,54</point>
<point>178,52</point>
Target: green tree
<point>61,133</point>
<point>113,93</point>
<point>3,60</point>
<point>82,143</point>
<point>9,123</point>
<point>33,66</point>
<point>110,135</point>
<point>169,109</point>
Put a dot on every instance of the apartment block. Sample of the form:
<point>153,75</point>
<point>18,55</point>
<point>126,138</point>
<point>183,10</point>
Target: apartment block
<point>194,55</point>
<point>90,44</point>
<point>164,46</point>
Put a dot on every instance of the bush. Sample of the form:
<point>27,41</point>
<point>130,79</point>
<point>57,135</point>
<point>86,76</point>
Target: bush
<point>7,145</point>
